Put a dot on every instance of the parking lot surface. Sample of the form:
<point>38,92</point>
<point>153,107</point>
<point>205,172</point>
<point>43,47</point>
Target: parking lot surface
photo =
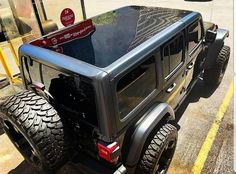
<point>196,115</point>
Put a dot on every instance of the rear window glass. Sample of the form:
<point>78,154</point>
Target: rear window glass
<point>73,94</point>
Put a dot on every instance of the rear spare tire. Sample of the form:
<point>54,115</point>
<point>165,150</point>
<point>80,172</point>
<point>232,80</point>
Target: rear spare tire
<point>214,75</point>
<point>158,151</point>
<point>36,130</point>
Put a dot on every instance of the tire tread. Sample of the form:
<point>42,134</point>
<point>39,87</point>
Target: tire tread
<point>212,76</point>
<point>41,123</point>
<point>147,162</point>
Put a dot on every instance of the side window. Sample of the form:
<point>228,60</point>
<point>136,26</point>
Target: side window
<point>31,70</point>
<point>194,35</point>
<point>173,55</point>
<point>176,53</point>
<point>135,86</point>
<point>166,61</point>
<point>49,74</point>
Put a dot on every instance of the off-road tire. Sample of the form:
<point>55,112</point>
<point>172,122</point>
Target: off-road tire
<point>155,150</point>
<point>214,75</point>
<point>37,121</point>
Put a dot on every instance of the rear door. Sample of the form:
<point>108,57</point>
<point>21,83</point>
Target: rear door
<point>194,46</point>
<point>173,61</point>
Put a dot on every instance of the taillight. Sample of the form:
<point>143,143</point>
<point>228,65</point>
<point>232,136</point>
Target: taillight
<point>110,152</point>
<point>38,86</point>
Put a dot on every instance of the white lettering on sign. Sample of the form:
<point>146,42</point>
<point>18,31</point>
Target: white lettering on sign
<point>67,17</point>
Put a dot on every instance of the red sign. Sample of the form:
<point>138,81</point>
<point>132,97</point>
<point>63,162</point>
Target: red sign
<point>69,34</point>
<point>67,17</point>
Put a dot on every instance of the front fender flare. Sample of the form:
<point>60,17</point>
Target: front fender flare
<point>214,48</point>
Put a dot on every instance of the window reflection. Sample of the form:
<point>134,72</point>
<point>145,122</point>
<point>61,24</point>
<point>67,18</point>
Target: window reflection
<point>72,95</point>
<point>176,52</point>
<point>135,86</point>
<point>110,40</point>
<point>194,35</point>
<point>173,55</point>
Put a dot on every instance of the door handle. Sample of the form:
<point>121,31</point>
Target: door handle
<point>170,89</point>
<point>190,66</point>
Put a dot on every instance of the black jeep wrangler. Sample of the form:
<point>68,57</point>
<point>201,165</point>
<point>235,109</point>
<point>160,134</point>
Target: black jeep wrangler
<point>105,90</point>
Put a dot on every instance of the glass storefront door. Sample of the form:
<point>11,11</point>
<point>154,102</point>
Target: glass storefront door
<point>32,18</point>
<point>51,10</point>
<point>22,21</point>
<point>18,19</point>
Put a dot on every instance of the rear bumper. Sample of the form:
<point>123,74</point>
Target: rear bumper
<point>121,170</point>
<point>86,164</point>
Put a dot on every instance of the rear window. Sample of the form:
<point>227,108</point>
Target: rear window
<point>135,86</point>
<point>31,70</point>
<point>73,94</point>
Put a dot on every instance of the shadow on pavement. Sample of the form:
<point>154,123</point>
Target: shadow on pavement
<point>1,128</point>
<point>25,168</point>
<point>1,131</point>
<point>200,90</point>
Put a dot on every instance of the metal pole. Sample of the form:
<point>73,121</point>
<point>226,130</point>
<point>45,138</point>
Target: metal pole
<point>83,9</point>
<point>43,10</point>
<point>37,17</point>
<point>13,9</point>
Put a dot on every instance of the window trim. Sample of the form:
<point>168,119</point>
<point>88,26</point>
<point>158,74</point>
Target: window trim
<point>174,71</point>
<point>183,55</point>
<point>194,49</point>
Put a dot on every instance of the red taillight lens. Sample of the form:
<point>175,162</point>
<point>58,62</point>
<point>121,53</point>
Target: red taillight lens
<point>109,152</point>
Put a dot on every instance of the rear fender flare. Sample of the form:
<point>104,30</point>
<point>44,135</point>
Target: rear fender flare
<point>143,129</point>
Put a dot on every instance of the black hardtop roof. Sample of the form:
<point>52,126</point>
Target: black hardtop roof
<point>111,39</point>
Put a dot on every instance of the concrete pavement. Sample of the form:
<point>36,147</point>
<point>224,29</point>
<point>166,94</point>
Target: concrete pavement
<point>195,115</point>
